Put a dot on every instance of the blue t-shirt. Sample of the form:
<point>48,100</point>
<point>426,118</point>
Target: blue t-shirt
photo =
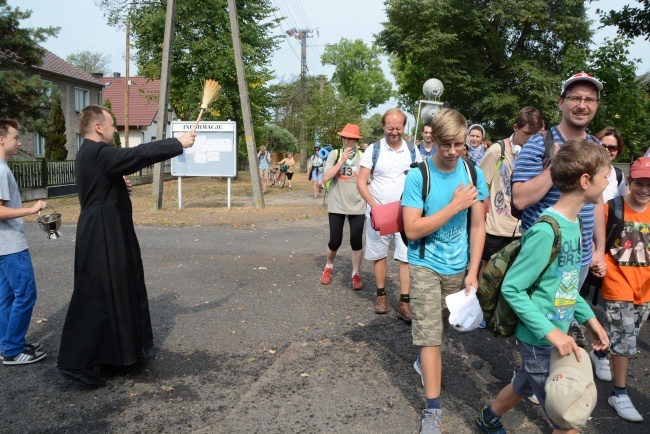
<point>476,154</point>
<point>264,162</point>
<point>424,153</point>
<point>12,231</point>
<point>528,166</point>
<point>446,250</point>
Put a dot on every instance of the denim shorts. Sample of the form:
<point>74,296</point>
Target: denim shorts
<point>530,377</point>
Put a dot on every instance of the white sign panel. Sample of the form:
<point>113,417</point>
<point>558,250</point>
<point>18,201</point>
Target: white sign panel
<point>214,152</point>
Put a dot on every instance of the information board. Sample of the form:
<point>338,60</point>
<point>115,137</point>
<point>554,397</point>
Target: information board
<point>214,152</point>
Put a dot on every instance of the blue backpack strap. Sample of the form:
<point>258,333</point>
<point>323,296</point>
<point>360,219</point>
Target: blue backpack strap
<point>470,167</point>
<point>426,186</point>
<point>411,148</point>
<point>375,155</point>
<point>549,144</point>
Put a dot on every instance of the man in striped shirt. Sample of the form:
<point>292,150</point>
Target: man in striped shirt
<point>532,188</point>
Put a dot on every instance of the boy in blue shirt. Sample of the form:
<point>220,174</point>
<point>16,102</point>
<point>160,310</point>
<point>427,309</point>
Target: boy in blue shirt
<point>441,223</point>
<point>579,171</point>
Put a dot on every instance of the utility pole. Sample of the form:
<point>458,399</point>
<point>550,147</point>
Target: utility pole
<point>163,99</point>
<point>127,87</point>
<point>302,36</point>
<point>245,106</point>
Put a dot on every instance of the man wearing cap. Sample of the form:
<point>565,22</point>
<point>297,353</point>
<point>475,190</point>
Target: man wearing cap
<point>532,188</point>
<point>388,161</point>
<point>316,167</point>
<point>344,199</point>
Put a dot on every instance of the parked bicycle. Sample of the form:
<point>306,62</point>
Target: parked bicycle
<point>278,176</point>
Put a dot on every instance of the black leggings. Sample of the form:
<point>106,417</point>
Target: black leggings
<point>337,221</point>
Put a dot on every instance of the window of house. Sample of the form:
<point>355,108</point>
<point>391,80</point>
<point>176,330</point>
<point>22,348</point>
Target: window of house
<point>82,99</point>
<point>47,92</point>
<point>39,145</point>
<point>80,140</point>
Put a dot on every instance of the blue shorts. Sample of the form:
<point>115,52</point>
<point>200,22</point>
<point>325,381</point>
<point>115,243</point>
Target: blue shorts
<point>530,377</point>
<point>316,175</point>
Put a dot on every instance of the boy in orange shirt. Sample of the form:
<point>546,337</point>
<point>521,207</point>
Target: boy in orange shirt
<point>626,287</point>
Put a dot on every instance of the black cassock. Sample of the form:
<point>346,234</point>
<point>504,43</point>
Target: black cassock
<point>108,319</point>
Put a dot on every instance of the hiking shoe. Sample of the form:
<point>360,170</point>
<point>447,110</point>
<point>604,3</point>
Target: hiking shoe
<point>577,332</point>
<point>356,282</point>
<point>491,427</point>
<point>326,278</point>
<point>24,358</point>
<point>418,368</point>
<point>601,367</point>
<point>431,424</point>
<point>624,408</point>
<point>381,306</point>
<point>404,312</point>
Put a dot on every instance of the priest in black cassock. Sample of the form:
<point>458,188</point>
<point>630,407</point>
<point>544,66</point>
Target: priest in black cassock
<point>108,318</point>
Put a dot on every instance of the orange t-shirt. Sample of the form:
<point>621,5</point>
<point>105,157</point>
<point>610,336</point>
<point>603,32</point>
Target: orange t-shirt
<point>628,261</point>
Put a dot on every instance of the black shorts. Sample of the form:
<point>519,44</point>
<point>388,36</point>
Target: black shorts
<point>289,175</point>
<point>494,243</point>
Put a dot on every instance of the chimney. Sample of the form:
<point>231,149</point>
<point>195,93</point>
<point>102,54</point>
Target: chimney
<point>116,75</point>
<point>97,74</point>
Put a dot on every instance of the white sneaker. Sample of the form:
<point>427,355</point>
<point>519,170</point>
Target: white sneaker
<point>418,369</point>
<point>624,408</point>
<point>601,367</point>
<point>533,399</point>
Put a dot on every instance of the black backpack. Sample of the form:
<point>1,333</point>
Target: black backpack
<point>470,167</point>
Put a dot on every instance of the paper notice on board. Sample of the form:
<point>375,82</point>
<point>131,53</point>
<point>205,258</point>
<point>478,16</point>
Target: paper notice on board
<point>214,156</point>
<point>201,158</point>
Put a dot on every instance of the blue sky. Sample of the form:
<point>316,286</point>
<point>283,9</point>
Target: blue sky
<point>86,29</point>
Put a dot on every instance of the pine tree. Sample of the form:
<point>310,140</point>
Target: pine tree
<point>55,138</point>
<point>116,137</point>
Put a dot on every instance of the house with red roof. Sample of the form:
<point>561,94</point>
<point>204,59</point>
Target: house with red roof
<point>143,107</point>
<point>76,89</point>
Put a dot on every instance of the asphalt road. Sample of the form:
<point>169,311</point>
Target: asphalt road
<point>248,340</point>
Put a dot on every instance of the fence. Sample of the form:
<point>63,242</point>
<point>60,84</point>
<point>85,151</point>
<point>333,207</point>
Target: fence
<point>42,174</point>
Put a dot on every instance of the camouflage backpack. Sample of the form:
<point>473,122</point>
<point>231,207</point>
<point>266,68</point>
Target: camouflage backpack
<point>500,319</point>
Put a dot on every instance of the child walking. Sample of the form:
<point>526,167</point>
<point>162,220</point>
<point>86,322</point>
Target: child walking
<point>579,171</point>
<point>626,287</point>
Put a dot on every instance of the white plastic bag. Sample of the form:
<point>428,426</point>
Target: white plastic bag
<point>465,312</point>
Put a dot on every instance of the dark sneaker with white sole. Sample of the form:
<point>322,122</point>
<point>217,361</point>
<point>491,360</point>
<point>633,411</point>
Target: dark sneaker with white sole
<point>24,358</point>
<point>32,347</point>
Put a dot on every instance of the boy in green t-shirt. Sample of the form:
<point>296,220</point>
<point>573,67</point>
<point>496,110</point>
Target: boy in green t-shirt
<point>579,171</point>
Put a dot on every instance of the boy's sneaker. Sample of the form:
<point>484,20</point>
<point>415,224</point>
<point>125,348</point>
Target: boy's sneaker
<point>577,332</point>
<point>418,369</point>
<point>490,427</point>
<point>601,367</point>
<point>533,398</point>
<point>24,358</point>
<point>326,278</point>
<point>624,408</point>
<point>431,424</point>
<point>356,282</point>
<point>32,347</point>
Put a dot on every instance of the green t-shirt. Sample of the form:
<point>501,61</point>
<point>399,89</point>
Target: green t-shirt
<point>556,301</point>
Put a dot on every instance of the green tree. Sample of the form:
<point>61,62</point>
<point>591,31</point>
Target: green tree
<point>327,113</point>
<point>202,49</point>
<point>116,137</point>
<point>22,92</point>
<point>371,128</point>
<point>55,138</point>
<point>277,139</point>
<point>358,72</point>
<point>90,62</point>
<point>493,57</point>
<point>631,21</point>
<point>624,104</point>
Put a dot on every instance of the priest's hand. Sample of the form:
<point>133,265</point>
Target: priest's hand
<point>187,139</point>
<point>129,186</point>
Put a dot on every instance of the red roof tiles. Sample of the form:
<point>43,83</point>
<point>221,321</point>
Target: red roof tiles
<point>143,99</point>
<point>54,64</point>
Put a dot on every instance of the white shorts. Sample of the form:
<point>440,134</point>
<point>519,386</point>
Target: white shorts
<point>377,246</point>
